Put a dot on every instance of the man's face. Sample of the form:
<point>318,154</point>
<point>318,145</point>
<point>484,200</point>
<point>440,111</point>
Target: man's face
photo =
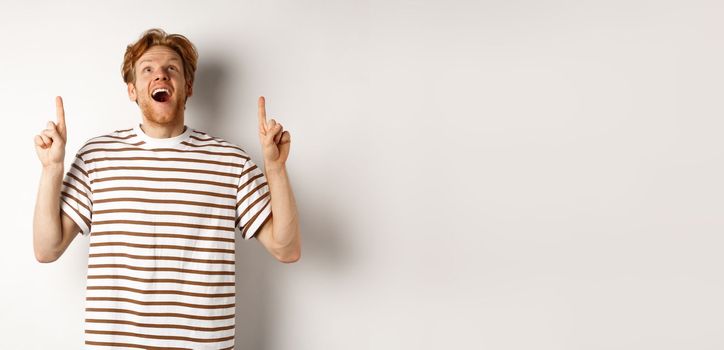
<point>160,88</point>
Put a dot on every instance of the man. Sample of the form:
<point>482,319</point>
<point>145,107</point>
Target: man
<point>161,202</point>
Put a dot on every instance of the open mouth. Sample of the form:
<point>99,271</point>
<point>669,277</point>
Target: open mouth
<point>161,95</point>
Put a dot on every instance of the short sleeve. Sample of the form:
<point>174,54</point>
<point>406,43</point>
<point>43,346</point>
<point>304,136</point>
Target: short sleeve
<point>76,199</point>
<point>253,200</point>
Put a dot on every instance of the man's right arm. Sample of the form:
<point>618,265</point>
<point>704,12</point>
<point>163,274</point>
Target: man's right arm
<point>52,230</point>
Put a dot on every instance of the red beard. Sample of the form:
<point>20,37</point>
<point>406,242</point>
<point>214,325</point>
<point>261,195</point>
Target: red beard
<point>155,112</point>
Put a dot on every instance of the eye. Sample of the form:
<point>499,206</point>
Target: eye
<point>146,69</point>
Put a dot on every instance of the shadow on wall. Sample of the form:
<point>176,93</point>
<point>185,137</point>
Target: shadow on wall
<point>207,99</point>
<point>257,284</point>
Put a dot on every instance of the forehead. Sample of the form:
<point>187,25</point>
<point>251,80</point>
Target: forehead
<point>159,54</point>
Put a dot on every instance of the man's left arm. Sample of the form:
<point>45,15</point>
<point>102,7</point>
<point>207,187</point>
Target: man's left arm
<point>280,233</point>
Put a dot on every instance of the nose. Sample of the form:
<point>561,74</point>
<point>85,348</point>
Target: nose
<point>161,75</point>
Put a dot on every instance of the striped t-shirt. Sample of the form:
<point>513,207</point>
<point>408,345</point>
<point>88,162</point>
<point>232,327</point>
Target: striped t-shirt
<point>162,217</point>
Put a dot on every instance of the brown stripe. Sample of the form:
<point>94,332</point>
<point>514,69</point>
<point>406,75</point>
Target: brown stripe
<point>261,198</point>
<point>82,182</point>
<point>190,160</point>
<point>252,192</point>
<point>128,345</point>
<point>163,280</point>
<point>211,145</point>
<point>155,325</point>
<point>165,235</point>
<point>164,179</point>
<point>161,314</point>
<point>161,303</point>
<point>251,221</point>
<point>208,139</point>
<point>164,212</point>
<point>68,195</point>
<point>120,137</point>
<point>166,190</point>
<point>111,142</point>
<point>249,182</point>
<point>167,201</point>
<point>162,291</point>
<point>247,170</point>
<point>85,219</point>
<point>169,269</point>
<point>167,337</point>
<point>157,223</point>
<point>73,165</point>
<point>68,184</point>
<point>165,150</point>
<point>175,258</point>
<point>266,219</point>
<point>162,246</point>
<point>145,168</point>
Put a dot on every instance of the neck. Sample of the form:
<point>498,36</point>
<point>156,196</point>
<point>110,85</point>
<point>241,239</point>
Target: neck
<point>162,131</point>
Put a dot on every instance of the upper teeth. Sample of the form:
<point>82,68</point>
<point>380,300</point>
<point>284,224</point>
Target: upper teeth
<point>160,90</point>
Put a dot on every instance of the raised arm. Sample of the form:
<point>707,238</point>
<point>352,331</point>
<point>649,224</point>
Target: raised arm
<point>280,235</point>
<point>52,231</point>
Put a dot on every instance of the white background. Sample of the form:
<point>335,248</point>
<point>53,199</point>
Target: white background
<point>512,174</point>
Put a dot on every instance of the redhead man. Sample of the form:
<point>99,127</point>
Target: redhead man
<point>161,203</point>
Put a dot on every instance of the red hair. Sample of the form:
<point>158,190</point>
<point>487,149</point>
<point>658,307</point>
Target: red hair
<point>153,37</point>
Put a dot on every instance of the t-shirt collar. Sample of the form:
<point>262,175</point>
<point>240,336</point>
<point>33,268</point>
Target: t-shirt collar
<point>161,142</point>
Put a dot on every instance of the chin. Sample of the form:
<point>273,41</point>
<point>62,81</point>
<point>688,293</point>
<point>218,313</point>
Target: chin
<point>161,114</point>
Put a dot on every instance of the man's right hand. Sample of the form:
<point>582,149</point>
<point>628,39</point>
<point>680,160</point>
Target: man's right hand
<point>50,143</point>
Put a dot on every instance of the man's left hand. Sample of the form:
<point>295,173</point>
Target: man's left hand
<point>275,141</point>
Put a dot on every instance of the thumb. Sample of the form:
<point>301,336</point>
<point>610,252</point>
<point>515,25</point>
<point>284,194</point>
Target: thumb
<point>52,132</point>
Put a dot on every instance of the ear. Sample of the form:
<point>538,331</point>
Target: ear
<point>132,92</point>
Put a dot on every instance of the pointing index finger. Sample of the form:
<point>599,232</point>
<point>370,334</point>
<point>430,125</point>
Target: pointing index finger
<point>60,111</point>
<point>262,115</point>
